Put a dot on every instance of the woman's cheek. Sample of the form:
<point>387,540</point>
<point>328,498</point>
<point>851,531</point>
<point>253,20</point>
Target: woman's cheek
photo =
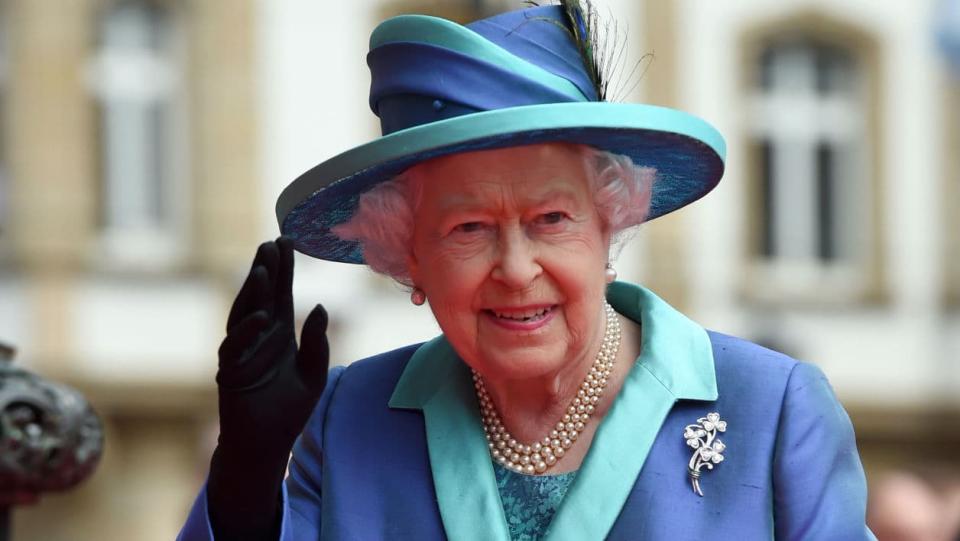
<point>467,257</point>
<point>456,278</point>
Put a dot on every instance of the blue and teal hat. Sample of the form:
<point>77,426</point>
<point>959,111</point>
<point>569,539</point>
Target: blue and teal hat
<point>517,78</point>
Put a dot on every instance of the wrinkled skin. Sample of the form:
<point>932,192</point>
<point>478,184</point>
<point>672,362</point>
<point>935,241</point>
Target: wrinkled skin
<point>516,232</point>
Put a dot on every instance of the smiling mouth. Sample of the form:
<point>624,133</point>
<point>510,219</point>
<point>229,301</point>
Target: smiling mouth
<point>523,316</point>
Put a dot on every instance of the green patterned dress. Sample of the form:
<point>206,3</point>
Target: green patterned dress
<point>530,501</point>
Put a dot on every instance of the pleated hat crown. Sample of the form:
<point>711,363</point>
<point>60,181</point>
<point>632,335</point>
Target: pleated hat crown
<point>518,58</point>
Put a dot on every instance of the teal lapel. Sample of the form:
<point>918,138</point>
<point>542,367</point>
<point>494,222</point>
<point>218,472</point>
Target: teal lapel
<point>439,383</point>
<point>676,362</point>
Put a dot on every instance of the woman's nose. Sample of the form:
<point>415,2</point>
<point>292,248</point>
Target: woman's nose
<point>516,266</point>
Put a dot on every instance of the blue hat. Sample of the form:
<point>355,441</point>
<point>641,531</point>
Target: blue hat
<point>516,78</point>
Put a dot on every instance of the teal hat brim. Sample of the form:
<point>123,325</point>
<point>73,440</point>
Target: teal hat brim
<point>687,153</point>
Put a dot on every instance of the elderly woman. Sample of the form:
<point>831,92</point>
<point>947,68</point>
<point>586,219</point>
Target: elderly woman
<point>557,403</point>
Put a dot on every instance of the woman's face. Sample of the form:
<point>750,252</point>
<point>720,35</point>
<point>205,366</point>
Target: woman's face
<point>510,251</point>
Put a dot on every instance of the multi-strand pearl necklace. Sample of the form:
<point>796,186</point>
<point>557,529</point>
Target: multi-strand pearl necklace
<point>541,455</point>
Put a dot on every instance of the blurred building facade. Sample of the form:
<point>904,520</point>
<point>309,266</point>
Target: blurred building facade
<point>128,188</point>
<point>144,143</point>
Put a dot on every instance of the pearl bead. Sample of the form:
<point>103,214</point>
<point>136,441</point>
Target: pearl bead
<point>541,467</point>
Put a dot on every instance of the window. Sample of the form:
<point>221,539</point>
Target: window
<point>136,78</point>
<point>807,123</point>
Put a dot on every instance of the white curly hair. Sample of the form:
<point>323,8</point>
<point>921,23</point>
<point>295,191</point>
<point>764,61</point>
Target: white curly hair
<point>384,221</point>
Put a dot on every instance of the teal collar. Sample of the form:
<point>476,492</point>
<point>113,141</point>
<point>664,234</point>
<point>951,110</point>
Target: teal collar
<point>675,363</point>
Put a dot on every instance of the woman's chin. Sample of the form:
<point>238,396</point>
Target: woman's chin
<point>518,349</point>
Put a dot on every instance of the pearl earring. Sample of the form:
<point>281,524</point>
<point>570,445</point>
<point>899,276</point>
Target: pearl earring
<point>610,273</point>
<point>418,297</point>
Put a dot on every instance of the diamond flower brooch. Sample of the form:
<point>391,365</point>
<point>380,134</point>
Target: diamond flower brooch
<point>707,447</point>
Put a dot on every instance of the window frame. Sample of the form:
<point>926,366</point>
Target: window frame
<point>164,247</point>
<point>819,285</point>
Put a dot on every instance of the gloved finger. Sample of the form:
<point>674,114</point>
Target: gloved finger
<point>284,281</point>
<point>258,366</point>
<point>241,338</point>
<point>313,359</point>
<point>255,295</point>
<point>242,303</point>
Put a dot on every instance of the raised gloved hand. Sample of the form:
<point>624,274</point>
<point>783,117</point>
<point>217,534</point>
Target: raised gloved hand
<point>267,389</point>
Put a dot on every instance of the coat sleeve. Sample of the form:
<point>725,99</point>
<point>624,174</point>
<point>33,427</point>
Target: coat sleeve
<point>301,491</point>
<point>820,491</point>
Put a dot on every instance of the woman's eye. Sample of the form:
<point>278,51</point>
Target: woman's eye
<point>551,218</point>
<point>468,227</point>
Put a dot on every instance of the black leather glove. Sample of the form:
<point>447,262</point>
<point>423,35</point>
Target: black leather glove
<point>267,390</point>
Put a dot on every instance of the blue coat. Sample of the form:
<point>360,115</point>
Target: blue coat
<point>395,449</point>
